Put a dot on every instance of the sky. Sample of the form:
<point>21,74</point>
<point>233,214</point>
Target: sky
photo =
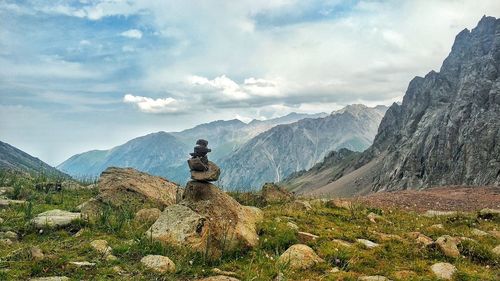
<point>93,74</point>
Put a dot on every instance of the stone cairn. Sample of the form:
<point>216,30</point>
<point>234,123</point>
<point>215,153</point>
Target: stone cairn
<point>202,169</point>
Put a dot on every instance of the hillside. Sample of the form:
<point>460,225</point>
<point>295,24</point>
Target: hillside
<point>285,149</point>
<point>445,132</point>
<point>14,159</point>
<point>164,154</point>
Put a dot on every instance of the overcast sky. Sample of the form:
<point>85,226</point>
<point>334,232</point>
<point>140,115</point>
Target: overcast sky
<point>92,74</point>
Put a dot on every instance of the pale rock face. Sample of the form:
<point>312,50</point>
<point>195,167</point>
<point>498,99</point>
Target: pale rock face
<point>299,256</point>
<point>55,218</point>
<point>158,263</point>
<point>367,243</point>
<point>444,270</point>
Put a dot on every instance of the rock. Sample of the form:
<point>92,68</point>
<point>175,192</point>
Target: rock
<point>374,218</point>
<point>79,233</point>
<point>6,242</point>
<point>495,233</point>
<point>489,213</point>
<point>180,225</point>
<point>496,250</point>
<point>478,232</point>
<point>158,263</point>
<point>299,205</point>
<point>36,253</point>
<point>373,278</point>
<point>334,270</point>
<point>6,189</point>
<point>421,238</point>
<point>434,213</point>
<point>448,246</point>
<point>225,273</point>
<point>279,277</point>
<point>387,237</point>
<point>53,278</point>
<point>4,203</point>
<point>1,220</point>
<point>82,263</point>
<point>212,174</point>
<point>338,203</point>
<point>299,256</point>
<point>292,225</point>
<point>305,237</point>
<point>111,258</point>
<point>9,235</point>
<point>443,270</point>
<point>55,218</point>
<point>436,227</point>
<point>230,224</point>
<point>272,193</point>
<point>101,246</point>
<point>367,243</point>
<point>131,188</point>
<point>218,278</point>
<point>147,216</point>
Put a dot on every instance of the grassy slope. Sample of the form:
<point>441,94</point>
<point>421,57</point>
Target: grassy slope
<point>125,237</point>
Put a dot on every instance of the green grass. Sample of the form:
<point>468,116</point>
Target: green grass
<point>130,244</point>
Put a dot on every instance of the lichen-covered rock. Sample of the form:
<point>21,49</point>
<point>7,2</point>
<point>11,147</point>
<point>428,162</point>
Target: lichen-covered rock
<point>299,256</point>
<point>158,263</point>
<point>443,270</point>
<point>55,218</point>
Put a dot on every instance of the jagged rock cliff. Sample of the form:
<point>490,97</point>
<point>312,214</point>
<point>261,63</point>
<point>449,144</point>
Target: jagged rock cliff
<point>285,149</point>
<point>445,132</point>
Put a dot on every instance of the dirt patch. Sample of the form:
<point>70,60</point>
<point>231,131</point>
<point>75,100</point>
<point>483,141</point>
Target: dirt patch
<point>447,198</point>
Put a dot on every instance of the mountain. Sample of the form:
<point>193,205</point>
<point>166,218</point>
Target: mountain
<point>164,154</point>
<point>14,159</point>
<point>445,132</point>
<point>284,149</point>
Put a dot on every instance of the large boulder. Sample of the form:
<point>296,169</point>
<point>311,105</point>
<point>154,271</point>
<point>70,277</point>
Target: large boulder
<point>272,193</point>
<point>230,224</point>
<point>212,174</point>
<point>133,189</point>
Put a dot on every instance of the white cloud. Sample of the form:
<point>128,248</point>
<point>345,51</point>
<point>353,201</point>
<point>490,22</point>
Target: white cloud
<point>132,33</point>
<point>149,105</point>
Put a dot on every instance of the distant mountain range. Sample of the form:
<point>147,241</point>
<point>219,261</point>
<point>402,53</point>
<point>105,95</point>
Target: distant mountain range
<point>445,132</point>
<point>165,154</point>
<point>288,148</point>
<point>14,159</point>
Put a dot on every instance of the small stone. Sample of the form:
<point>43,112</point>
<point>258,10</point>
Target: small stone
<point>158,263</point>
<point>53,278</point>
<point>436,227</point>
<point>101,246</point>
<point>6,242</point>
<point>82,264</point>
<point>374,218</point>
<point>387,237</point>
<point>7,202</point>
<point>119,270</point>
<point>434,213</point>
<point>292,225</point>
<point>212,174</point>
<point>223,272</point>
<point>111,258</point>
<point>373,278</point>
<point>55,218</point>
<point>36,253</point>
<point>444,270</point>
<point>479,232</point>
<point>448,246</point>
<point>338,203</point>
<point>218,278</point>
<point>305,237</point>
<point>367,243</point>
<point>342,243</point>
<point>299,205</point>
<point>299,256</point>
<point>9,235</point>
<point>496,250</point>
<point>489,213</point>
<point>334,270</point>
<point>79,233</point>
<point>1,220</point>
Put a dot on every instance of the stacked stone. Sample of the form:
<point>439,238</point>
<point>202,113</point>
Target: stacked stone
<point>201,169</point>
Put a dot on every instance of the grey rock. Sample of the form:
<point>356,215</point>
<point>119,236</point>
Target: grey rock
<point>55,218</point>
<point>444,270</point>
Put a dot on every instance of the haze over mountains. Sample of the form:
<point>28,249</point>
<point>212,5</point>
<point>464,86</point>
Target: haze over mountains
<point>445,132</point>
<point>288,148</point>
<point>165,154</point>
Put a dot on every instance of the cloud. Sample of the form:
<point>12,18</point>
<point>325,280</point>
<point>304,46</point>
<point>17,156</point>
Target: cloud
<point>149,105</point>
<point>132,33</point>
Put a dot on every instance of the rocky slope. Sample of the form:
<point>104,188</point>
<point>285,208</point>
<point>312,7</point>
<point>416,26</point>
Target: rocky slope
<point>284,149</point>
<point>445,132</point>
<point>164,154</point>
<point>14,159</point>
